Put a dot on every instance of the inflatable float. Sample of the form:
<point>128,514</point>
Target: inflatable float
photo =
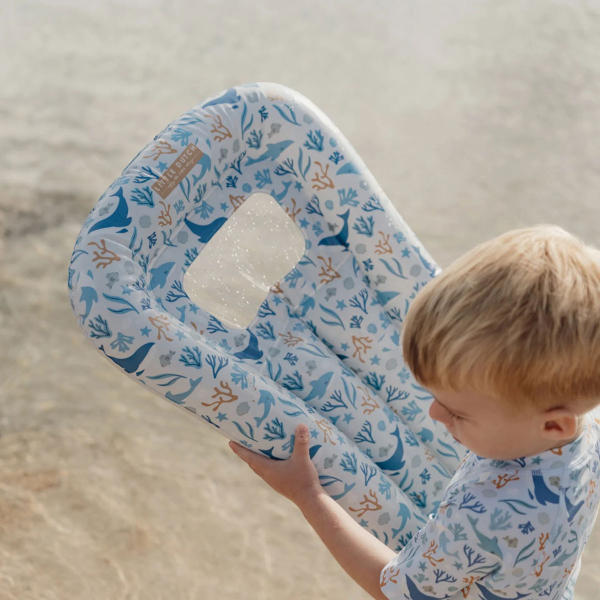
<point>324,347</point>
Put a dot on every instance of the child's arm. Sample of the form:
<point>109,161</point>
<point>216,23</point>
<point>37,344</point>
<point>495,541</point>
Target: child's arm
<point>361,554</point>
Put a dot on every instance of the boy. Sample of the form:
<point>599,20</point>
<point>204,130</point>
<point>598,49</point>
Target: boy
<point>507,339</point>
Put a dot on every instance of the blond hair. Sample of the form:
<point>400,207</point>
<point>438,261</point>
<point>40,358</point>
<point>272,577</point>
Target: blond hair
<point>516,318</point>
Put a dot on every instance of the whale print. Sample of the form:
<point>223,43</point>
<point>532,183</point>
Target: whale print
<point>88,297</point>
<point>341,238</point>
<point>119,218</point>
<point>158,275</point>
<point>228,97</point>
<point>205,232</point>
<point>273,151</point>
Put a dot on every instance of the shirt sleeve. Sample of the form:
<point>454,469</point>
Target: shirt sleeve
<point>445,556</point>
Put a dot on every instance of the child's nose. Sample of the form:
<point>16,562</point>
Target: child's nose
<point>436,412</point>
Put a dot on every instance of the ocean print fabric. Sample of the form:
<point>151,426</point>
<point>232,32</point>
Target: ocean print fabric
<point>506,529</point>
<point>324,347</point>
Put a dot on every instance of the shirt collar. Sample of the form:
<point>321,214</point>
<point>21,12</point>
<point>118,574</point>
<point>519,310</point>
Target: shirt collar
<point>555,458</point>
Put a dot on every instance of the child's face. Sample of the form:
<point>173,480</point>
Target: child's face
<point>492,429</point>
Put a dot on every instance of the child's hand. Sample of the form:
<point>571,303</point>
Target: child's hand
<point>294,477</point>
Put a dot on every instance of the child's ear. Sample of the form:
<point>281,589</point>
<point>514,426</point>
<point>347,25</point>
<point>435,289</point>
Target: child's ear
<point>559,423</point>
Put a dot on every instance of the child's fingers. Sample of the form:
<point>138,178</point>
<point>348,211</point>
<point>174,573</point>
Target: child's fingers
<point>249,457</point>
<point>237,448</point>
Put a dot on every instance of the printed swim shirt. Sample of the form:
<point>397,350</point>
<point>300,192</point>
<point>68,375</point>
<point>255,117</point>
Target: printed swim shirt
<point>505,529</point>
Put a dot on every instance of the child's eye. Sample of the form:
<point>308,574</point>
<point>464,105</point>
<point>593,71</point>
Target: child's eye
<point>453,416</point>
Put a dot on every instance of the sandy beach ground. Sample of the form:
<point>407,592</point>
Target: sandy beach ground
<point>475,116</point>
